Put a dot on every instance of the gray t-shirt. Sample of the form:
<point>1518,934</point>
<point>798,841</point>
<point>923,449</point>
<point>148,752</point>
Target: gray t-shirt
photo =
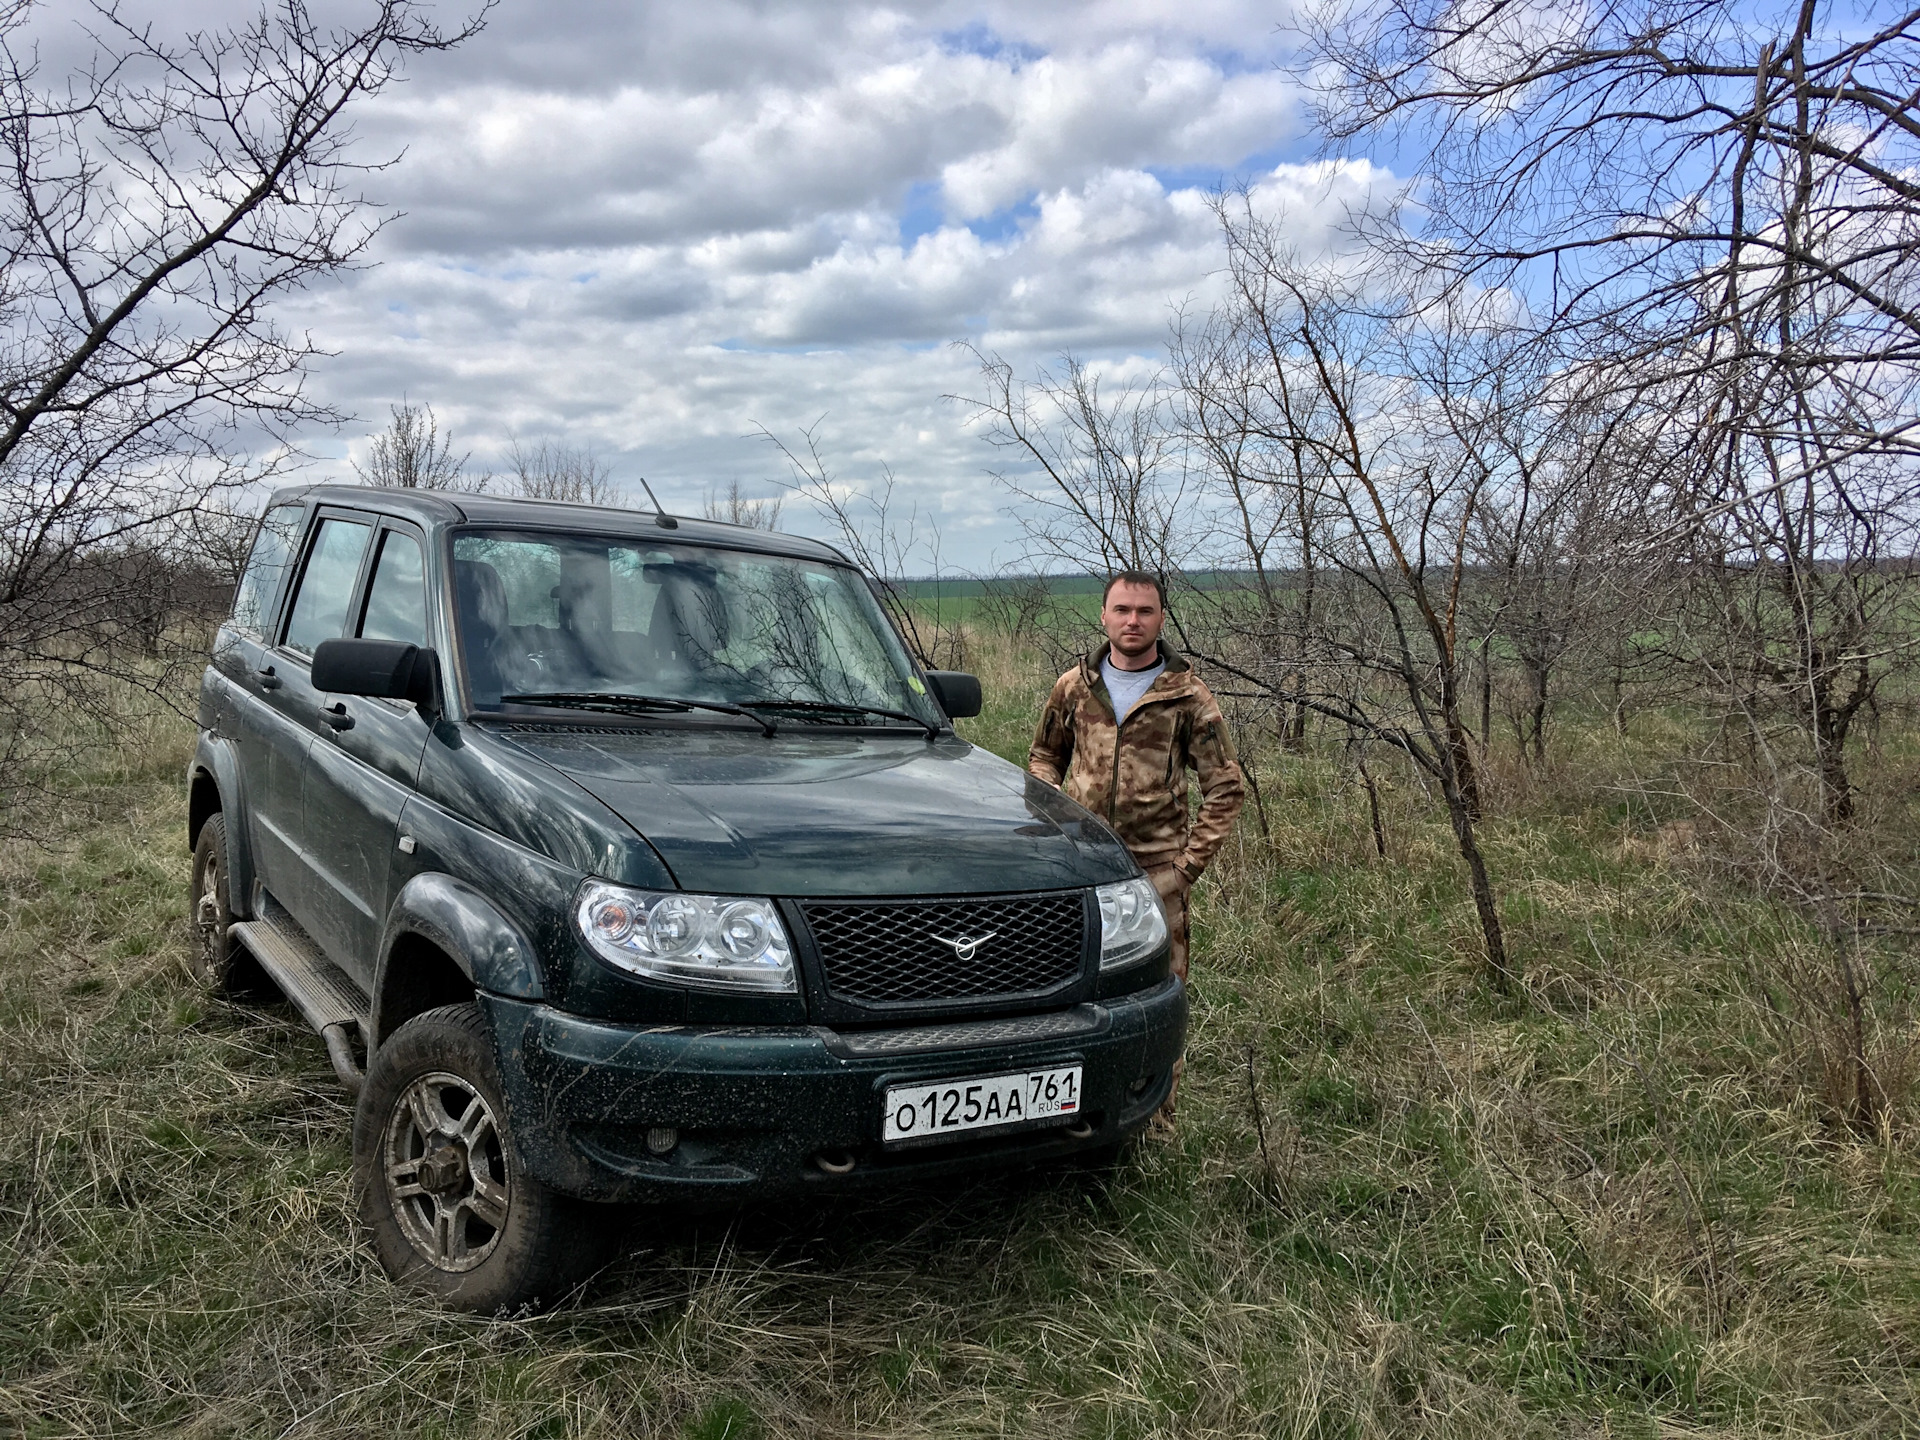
<point>1127,686</point>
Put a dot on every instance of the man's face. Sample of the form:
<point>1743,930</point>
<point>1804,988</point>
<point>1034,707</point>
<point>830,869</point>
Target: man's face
<point>1132,618</point>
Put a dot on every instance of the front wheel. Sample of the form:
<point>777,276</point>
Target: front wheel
<point>448,1206</point>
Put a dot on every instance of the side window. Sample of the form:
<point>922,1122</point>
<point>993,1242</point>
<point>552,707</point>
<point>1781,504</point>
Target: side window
<point>266,566</point>
<point>396,600</point>
<point>326,589</point>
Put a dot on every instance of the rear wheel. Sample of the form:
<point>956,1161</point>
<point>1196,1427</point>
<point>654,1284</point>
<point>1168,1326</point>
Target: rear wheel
<point>449,1208</point>
<point>210,908</point>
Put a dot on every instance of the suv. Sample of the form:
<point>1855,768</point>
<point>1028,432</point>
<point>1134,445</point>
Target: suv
<point>625,858</point>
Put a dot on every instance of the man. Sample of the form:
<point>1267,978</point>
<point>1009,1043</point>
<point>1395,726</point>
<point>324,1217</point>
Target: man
<point>1121,730</point>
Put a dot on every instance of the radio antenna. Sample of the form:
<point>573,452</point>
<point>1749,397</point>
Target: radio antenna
<point>660,516</point>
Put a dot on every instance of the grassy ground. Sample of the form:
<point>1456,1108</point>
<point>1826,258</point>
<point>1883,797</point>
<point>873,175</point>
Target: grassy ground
<point>1394,1204</point>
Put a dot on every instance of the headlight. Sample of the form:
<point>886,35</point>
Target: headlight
<point>1132,924</point>
<point>721,940</point>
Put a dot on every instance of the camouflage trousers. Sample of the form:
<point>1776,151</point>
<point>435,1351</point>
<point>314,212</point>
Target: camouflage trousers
<point>1173,897</point>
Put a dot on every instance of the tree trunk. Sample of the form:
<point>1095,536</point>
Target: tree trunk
<point>1293,718</point>
<point>1836,790</point>
<point>1259,804</point>
<point>1373,810</point>
<point>1864,1102</point>
<point>1499,971</point>
<point>1832,721</point>
<point>1486,699</point>
<point>1466,774</point>
<point>1536,742</point>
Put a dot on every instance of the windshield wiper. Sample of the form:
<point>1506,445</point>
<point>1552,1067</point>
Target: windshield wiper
<point>615,702</point>
<point>834,707</point>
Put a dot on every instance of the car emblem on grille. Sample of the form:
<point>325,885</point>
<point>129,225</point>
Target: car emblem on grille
<point>966,945</point>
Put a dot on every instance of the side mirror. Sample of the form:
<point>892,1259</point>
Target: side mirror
<point>382,669</point>
<point>957,692</point>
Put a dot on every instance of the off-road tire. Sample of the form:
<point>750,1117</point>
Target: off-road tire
<point>221,963</point>
<point>449,1209</point>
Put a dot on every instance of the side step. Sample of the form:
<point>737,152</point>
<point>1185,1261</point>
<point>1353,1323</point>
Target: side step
<point>320,990</point>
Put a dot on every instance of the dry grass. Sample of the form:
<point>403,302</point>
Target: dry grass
<point>1394,1206</point>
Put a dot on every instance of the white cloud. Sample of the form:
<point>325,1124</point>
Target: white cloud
<point>655,228</point>
<point>1068,117</point>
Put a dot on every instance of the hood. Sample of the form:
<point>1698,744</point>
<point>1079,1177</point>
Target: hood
<point>816,814</point>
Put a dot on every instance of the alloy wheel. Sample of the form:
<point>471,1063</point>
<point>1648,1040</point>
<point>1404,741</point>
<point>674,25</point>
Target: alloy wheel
<point>446,1172</point>
<point>206,914</point>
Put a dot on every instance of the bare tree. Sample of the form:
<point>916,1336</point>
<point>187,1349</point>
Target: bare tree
<point>1800,535</point>
<point>1715,212</point>
<point>1616,163</point>
<point>1341,376</point>
<point>1553,547</point>
<point>1100,474</point>
<point>551,471</point>
<point>1315,444</point>
<point>884,542</point>
<point>736,508</point>
<point>155,200</point>
<point>412,454</point>
<point>1231,387</point>
<point>1018,607</point>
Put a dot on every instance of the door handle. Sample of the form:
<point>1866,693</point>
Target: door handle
<point>268,680</point>
<point>336,715</point>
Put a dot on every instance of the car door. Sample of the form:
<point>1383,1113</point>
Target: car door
<point>322,598</point>
<point>243,658</point>
<point>362,768</point>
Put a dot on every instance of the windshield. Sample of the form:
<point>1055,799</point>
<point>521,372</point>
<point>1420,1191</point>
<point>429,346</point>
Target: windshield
<point>551,615</point>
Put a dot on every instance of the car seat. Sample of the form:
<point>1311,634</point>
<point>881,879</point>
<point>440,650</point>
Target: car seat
<point>482,603</point>
<point>689,625</point>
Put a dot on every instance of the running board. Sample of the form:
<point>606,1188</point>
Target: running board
<point>321,991</point>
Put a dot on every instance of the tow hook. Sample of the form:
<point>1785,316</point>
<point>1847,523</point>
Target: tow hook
<point>836,1162</point>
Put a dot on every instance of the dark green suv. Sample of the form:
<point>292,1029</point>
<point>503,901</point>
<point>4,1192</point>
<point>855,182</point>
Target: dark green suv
<point>620,858</point>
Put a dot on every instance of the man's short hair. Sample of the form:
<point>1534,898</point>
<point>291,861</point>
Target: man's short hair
<point>1135,577</point>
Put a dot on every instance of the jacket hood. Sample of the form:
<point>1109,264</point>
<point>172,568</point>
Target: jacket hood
<point>815,814</point>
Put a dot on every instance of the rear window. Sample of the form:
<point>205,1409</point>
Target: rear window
<point>326,586</point>
<point>266,567</point>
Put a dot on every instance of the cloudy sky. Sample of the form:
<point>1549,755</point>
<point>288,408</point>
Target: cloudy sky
<point>656,227</point>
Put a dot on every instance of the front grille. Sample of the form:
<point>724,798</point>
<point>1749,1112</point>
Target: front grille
<point>899,952</point>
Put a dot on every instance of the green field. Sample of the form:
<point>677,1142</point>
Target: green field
<point>1394,1204</point>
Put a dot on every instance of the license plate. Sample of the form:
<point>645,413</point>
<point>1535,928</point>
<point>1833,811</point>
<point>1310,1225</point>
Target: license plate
<point>953,1107</point>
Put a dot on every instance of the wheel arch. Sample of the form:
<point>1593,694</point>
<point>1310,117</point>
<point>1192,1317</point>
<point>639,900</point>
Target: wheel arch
<point>214,788</point>
<point>444,942</point>
<point>203,803</point>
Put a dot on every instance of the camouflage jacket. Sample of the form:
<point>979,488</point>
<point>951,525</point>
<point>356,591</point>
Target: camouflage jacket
<point>1133,775</point>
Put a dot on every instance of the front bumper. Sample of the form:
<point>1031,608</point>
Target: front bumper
<point>756,1108</point>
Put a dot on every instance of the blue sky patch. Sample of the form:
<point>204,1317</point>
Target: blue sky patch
<point>1004,225</point>
<point>1212,177</point>
<point>921,214</point>
<point>981,39</point>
